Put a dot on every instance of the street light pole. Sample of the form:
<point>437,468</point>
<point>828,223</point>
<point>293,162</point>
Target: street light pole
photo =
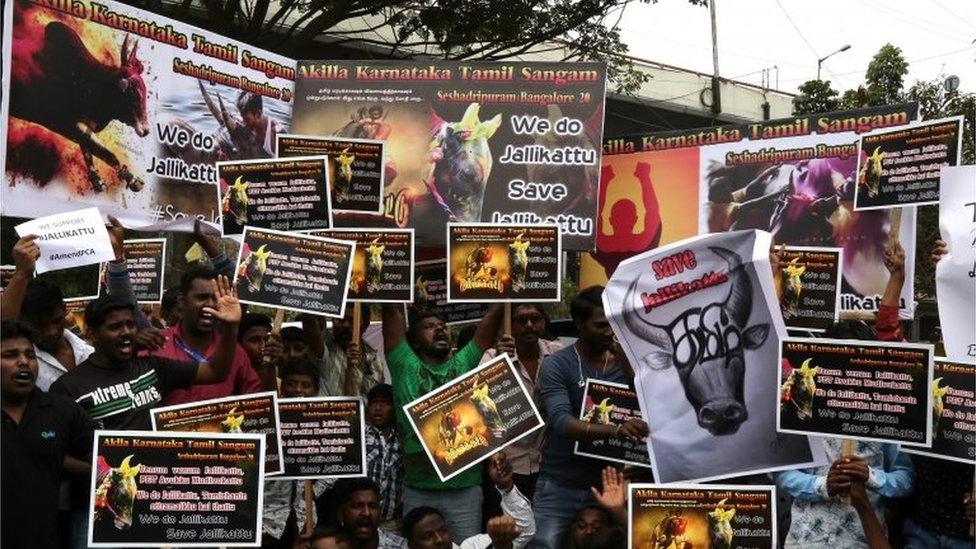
<point>820,61</point>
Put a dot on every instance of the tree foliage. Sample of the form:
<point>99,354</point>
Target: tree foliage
<point>885,76</point>
<point>815,96</point>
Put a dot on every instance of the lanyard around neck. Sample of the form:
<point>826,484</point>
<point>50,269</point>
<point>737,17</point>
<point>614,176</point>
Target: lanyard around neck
<point>186,349</point>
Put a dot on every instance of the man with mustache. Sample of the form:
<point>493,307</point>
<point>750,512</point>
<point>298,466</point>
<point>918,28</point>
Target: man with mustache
<point>360,514</point>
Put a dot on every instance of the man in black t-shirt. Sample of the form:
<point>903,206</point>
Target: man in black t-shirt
<point>43,435</point>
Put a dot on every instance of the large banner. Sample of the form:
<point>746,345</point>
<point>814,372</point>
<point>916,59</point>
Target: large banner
<point>120,108</point>
<point>953,412</point>
<point>467,141</point>
<point>955,274</point>
<point>700,324</point>
<point>323,437</point>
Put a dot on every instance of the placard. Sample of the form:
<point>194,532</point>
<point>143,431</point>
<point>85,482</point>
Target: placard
<point>808,287</point>
<point>900,167</point>
<point>430,294</point>
<point>953,412</point>
<point>382,268</point>
<point>255,413</point>
<point>356,168</point>
<point>187,489</point>
<point>867,390</point>
<point>464,422</point>
<point>285,195</point>
<point>955,274</point>
<point>71,239</point>
<point>303,273</point>
<point>323,437</point>
<point>503,263</point>
<point>146,261</point>
<point>684,516</point>
<point>513,142</point>
<point>607,403</point>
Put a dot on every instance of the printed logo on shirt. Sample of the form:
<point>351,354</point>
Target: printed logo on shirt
<point>49,434</point>
<point>121,397</point>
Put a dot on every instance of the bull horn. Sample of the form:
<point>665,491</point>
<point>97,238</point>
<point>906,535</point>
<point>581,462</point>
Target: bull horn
<point>652,333</point>
<point>739,300</point>
<point>124,54</point>
<point>227,120</point>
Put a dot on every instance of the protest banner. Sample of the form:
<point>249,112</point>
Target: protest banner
<point>146,261</point>
<point>75,315</point>
<point>900,167</point>
<point>120,108</point>
<point>607,403</point>
<point>285,195</point>
<point>513,142</point>
<point>503,263</point>
<point>356,168</point>
<point>430,294</point>
<point>255,413</point>
<point>176,489</point>
<point>682,516</point>
<point>71,239</point>
<point>955,274</point>
<point>808,287</point>
<point>382,267</point>
<point>464,422</point>
<point>307,274</point>
<point>953,412</point>
<point>322,437</point>
<point>699,323</point>
<point>867,390</point>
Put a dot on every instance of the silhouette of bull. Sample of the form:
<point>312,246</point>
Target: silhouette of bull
<point>116,492</point>
<point>792,288</point>
<point>706,345</point>
<point>518,259</point>
<point>720,527</point>
<point>938,404</point>
<point>486,407</point>
<point>374,264</point>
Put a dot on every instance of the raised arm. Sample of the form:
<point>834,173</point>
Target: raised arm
<point>215,251</point>
<point>25,254</point>
<point>887,323</point>
<point>394,326</point>
<point>487,331</point>
<point>227,311</point>
<point>313,336</point>
<point>117,278</point>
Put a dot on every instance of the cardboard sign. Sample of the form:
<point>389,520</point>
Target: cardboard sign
<point>466,421</point>
<point>696,515</point>
<point>513,142</point>
<point>308,274</point>
<point>900,167</point>
<point>856,389</point>
<point>953,412</point>
<point>382,269</point>
<point>356,168</point>
<point>955,274</point>
<point>185,489</point>
<point>430,294</point>
<point>503,263</point>
<point>70,239</point>
<point>255,413</point>
<point>285,195</point>
<point>808,287</point>
<point>606,403</point>
<point>323,437</point>
<point>146,261</point>
<point>112,106</point>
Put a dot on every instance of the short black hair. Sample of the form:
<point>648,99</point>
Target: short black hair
<point>41,299</point>
<point>382,390</point>
<point>13,329</point>
<point>417,514</point>
<point>340,535</point>
<point>585,303</point>
<point>251,320</point>
<point>292,334</point>
<point>249,102</point>
<point>194,272</point>
<point>850,329</point>
<point>304,367</point>
<point>97,311</point>
<point>346,487</point>
<point>416,317</point>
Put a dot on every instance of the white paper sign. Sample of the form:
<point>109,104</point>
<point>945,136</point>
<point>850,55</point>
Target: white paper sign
<point>955,275</point>
<point>71,239</point>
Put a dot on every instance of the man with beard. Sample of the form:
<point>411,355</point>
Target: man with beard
<point>420,361</point>
<point>359,513</point>
<point>350,369</point>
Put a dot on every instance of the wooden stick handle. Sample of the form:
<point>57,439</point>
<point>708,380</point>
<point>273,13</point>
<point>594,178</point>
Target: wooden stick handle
<point>357,318</point>
<point>846,449</point>
<point>278,320</point>
<point>894,236</point>
<point>309,520</point>
<point>508,318</point>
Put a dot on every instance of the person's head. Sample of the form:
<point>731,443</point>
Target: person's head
<point>196,292</point>
<point>251,107</point>
<point>359,507</point>
<point>591,524</point>
<point>252,334</point>
<point>591,322</point>
<point>18,363</point>
<point>294,343</point>
<point>342,327</point>
<point>429,336</point>
<point>111,324</point>
<point>300,379</point>
<point>169,307</point>
<point>426,528</point>
<point>529,323</point>
<point>44,311</point>
<point>850,329</point>
<point>465,335</point>
<point>331,538</point>
<point>379,406</point>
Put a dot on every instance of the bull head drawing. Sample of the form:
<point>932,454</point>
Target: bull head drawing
<point>938,403</point>
<point>232,424</point>
<point>720,526</point>
<point>870,175</point>
<point>116,492</point>
<point>793,288</point>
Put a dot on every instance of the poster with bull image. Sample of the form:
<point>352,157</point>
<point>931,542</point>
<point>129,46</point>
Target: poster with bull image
<point>430,294</point>
<point>382,268</point>
<point>115,107</point>
<point>866,390</point>
<point>699,322</point>
<point>808,287</point>
<point>513,142</point>
<point>901,166</point>
<point>953,412</point>
<point>254,413</point>
<point>285,195</point>
<point>696,516</point>
<point>146,260</point>
<point>297,272</point>
<point>176,489</point>
<point>464,422</point>
<point>503,263</point>
<point>355,168</point>
<point>322,437</point>
<point>955,274</point>
<point>607,403</point>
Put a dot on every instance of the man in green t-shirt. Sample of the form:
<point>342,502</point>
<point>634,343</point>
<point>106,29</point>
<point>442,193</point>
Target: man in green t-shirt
<point>420,361</point>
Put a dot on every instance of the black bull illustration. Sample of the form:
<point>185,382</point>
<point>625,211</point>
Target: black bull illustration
<point>706,345</point>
